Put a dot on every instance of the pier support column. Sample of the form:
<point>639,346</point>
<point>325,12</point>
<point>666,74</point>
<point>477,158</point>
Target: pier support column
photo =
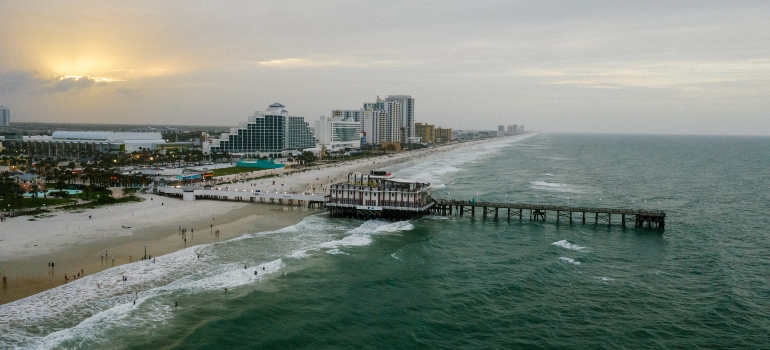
<point>596,221</point>
<point>623,220</point>
<point>558,213</point>
<point>496,212</point>
<point>609,219</point>
<point>584,218</point>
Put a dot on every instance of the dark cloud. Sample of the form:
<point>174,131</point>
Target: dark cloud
<point>30,81</point>
<point>68,84</point>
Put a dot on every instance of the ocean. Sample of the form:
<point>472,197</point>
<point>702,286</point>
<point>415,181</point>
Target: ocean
<point>460,282</point>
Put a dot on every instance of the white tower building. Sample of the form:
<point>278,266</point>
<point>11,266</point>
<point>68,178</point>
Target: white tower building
<point>406,113</point>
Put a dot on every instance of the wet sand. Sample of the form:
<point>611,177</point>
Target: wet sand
<point>31,275</point>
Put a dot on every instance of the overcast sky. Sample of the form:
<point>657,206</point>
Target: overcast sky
<point>684,67</point>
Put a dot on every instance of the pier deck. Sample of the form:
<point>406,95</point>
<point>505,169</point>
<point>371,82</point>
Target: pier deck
<point>538,212</point>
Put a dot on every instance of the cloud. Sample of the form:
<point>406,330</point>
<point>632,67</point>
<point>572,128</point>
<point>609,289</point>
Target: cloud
<point>15,81</point>
<point>69,84</point>
<point>18,81</point>
<point>320,62</point>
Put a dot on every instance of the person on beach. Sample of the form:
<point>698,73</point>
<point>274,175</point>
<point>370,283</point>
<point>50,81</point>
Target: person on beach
<point>225,289</point>
<point>255,273</point>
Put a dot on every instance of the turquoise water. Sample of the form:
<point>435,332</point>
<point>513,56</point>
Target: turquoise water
<point>451,282</point>
<point>49,192</point>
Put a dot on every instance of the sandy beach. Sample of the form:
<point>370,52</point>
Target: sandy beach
<point>75,241</point>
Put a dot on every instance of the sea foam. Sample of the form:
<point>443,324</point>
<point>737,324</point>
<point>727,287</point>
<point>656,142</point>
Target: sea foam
<point>569,246</point>
<point>569,260</point>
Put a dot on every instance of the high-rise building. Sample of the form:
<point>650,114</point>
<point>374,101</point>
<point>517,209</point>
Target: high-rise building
<point>272,133</point>
<point>381,121</point>
<point>500,130</point>
<point>5,116</point>
<point>337,133</point>
<point>406,115</point>
<point>351,114</point>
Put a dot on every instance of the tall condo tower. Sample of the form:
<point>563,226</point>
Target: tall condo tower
<point>406,114</point>
<point>5,116</point>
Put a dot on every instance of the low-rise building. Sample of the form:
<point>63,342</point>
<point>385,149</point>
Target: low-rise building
<point>73,143</point>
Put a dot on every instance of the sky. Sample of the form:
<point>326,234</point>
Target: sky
<point>653,66</point>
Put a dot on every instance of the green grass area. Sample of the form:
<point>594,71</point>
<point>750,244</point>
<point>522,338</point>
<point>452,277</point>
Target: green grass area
<point>32,203</point>
<point>102,202</point>
<point>233,170</point>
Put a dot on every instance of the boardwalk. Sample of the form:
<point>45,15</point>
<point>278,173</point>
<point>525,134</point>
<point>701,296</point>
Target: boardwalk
<point>191,193</point>
<point>536,212</point>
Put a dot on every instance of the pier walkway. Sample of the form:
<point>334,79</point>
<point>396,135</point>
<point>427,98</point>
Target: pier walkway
<point>538,212</point>
<point>191,193</point>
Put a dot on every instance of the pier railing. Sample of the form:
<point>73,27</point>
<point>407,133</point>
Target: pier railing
<point>539,212</point>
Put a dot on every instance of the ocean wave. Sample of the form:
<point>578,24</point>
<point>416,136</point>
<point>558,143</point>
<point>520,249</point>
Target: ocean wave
<point>87,307</point>
<point>569,246</point>
<point>604,279</point>
<point>569,260</point>
<point>555,187</point>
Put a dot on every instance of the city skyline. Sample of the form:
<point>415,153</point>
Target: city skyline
<point>691,67</point>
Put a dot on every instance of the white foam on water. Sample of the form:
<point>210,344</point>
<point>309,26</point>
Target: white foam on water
<point>604,279</point>
<point>548,174</point>
<point>441,164</point>
<point>361,235</point>
<point>569,246</point>
<point>336,252</point>
<point>569,260</point>
<point>394,256</point>
<point>84,308</point>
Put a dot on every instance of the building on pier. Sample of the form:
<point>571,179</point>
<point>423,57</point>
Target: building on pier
<point>378,195</point>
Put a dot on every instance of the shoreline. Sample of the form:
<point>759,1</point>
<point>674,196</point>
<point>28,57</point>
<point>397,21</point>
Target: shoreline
<point>74,242</point>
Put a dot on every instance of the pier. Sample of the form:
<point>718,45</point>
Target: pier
<point>655,219</point>
<point>191,193</point>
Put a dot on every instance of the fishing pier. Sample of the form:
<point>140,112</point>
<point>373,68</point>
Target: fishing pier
<point>655,219</point>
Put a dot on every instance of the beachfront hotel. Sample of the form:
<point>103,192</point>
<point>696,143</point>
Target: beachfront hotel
<point>385,120</point>
<point>273,133</point>
<point>336,133</point>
